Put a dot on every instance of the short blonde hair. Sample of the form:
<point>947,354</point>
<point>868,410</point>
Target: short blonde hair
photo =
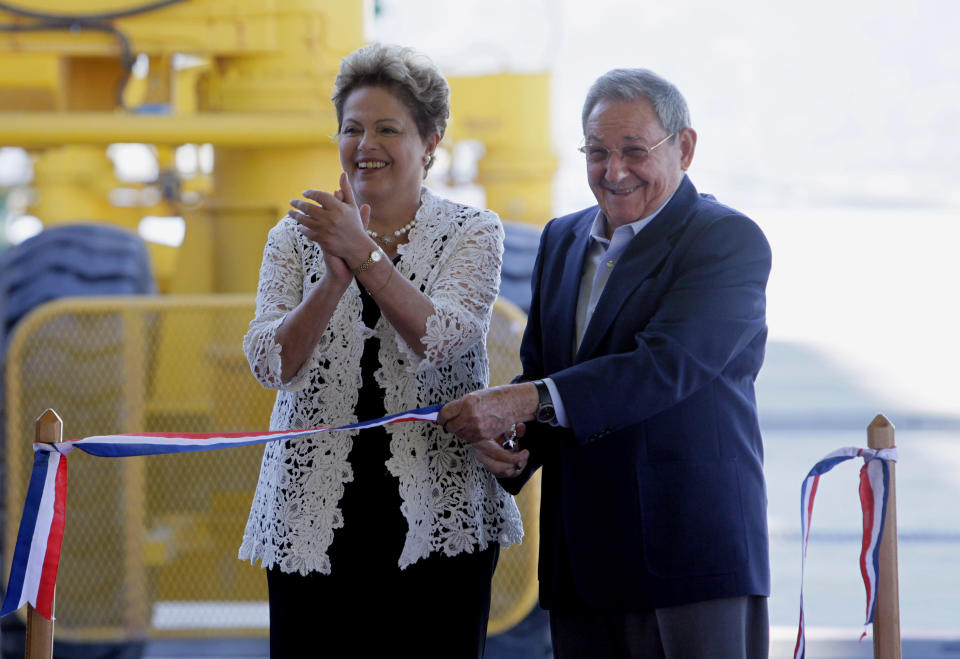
<point>409,75</point>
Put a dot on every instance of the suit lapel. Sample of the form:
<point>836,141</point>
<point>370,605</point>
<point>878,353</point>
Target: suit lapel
<point>645,252</point>
<point>572,250</point>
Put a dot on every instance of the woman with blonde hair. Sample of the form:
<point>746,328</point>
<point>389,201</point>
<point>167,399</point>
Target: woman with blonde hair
<point>372,300</point>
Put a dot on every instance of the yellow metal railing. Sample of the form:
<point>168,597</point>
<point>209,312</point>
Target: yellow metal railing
<point>515,585</point>
<point>150,543</point>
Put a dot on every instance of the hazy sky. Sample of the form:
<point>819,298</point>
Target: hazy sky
<point>831,122</point>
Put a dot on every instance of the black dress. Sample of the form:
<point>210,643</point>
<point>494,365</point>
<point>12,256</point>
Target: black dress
<point>367,605</point>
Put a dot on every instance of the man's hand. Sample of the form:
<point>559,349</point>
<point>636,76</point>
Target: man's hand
<point>487,418</point>
<point>499,461</point>
<point>490,413</point>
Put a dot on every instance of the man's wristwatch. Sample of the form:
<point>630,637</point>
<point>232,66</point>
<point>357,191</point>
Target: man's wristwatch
<point>375,256</point>
<point>545,410</point>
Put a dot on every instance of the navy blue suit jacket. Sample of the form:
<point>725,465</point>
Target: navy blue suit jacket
<point>655,495</point>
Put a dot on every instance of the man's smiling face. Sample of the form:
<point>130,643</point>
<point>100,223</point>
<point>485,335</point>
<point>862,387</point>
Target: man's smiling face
<point>631,187</point>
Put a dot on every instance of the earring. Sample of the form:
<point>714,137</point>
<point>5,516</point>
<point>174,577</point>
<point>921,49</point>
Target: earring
<point>427,159</point>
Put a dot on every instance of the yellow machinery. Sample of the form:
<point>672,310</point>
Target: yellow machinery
<point>251,80</point>
<point>256,86</point>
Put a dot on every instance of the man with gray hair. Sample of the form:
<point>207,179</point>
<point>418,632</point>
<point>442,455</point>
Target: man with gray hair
<point>646,332</point>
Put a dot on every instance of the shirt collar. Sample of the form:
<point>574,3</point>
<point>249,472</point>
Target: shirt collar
<point>598,229</point>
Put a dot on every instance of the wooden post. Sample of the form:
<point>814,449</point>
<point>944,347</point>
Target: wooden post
<point>886,618</point>
<point>49,430</point>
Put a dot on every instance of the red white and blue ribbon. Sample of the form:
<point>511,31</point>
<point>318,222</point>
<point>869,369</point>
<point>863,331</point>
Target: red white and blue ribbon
<point>33,574</point>
<point>36,557</point>
<point>874,487</point>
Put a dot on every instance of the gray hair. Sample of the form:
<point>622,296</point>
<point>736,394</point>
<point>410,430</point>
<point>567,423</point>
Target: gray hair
<point>634,84</point>
<point>409,75</point>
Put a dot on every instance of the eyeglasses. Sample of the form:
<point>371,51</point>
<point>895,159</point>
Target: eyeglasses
<point>633,153</point>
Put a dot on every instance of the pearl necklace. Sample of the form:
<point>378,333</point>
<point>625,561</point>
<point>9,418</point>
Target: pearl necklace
<point>386,238</point>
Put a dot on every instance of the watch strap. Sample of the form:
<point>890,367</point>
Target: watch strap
<point>546,411</point>
<point>375,256</point>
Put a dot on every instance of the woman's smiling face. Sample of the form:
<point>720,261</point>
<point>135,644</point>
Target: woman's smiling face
<point>381,149</point>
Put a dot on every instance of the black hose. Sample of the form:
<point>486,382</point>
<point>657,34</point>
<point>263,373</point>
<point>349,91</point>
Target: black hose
<point>47,22</point>
<point>103,16</point>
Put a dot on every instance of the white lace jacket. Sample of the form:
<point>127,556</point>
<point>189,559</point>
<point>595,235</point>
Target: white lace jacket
<point>451,503</point>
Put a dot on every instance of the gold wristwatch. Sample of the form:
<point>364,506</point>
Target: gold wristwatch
<point>375,256</point>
